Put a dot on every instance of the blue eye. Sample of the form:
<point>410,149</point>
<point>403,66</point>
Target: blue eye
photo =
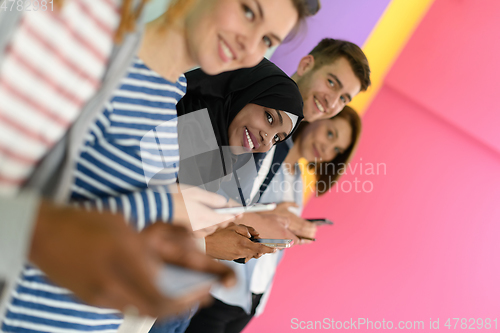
<point>331,83</point>
<point>267,41</point>
<point>343,99</point>
<point>330,135</point>
<point>337,151</point>
<point>249,14</point>
<point>276,139</point>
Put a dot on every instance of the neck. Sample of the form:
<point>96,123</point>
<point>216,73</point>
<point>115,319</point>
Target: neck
<point>164,49</point>
<point>295,77</point>
<point>292,158</point>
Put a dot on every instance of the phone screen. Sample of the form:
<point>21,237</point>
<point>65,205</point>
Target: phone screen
<point>278,243</point>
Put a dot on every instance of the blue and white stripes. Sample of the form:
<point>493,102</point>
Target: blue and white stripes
<point>132,145</point>
<point>39,306</point>
<point>130,155</point>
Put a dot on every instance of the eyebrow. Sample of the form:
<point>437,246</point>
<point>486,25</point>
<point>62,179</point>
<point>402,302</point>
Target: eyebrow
<point>279,116</point>
<point>277,38</point>
<point>259,7</point>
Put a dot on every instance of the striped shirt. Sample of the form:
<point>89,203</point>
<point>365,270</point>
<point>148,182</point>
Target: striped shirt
<point>132,145</point>
<point>52,66</point>
<point>132,148</point>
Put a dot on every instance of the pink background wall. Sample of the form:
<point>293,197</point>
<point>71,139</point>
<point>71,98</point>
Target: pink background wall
<point>425,242</point>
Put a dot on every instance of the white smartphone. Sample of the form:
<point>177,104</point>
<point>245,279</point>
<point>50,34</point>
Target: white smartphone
<point>277,243</point>
<point>175,281</point>
<point>248,209</point>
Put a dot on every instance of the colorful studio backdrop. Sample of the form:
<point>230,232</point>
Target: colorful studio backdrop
<point>419,240</point>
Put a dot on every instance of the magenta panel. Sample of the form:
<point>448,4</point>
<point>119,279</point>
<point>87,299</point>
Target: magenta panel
<point>451,66</point>
<point>422,244</point>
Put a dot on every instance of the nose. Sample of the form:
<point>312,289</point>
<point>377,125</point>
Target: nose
<point>266,138</point>
<point>333,102</point>
<point>328,150</point>
<point>251,45</point>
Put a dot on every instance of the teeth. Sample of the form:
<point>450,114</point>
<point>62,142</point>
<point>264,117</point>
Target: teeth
<point>226,50</point>
<point>250,143</point>
<point>318,104</point>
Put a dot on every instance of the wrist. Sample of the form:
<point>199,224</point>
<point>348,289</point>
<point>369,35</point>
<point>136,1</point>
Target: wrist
<point>179,207</point>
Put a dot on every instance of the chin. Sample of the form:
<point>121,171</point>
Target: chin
<point>310,116</point>
<point>238,150</point>
<point>211,66</point>
<point>211,70</point>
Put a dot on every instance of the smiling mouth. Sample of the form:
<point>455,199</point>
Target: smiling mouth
<point>227,54</point>
<point>319,106</point>
<point>249,139</point>
<point>316,152</point>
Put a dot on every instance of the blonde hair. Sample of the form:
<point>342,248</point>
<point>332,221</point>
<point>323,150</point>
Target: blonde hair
<point>177,9</point>
<point>127,20</point>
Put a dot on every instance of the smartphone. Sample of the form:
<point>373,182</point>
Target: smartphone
<point>277,243</point>
<point>248,209</point>
<point>319,222</point>
<point>175,281</point>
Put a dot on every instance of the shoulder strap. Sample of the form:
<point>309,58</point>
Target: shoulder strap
<point>279,156</point>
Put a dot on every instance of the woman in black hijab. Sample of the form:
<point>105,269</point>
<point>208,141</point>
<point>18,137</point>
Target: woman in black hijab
<point>249,111</point>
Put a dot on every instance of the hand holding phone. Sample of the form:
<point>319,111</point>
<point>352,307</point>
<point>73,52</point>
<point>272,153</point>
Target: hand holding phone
<point>234,242</point>
<point>269,242</point>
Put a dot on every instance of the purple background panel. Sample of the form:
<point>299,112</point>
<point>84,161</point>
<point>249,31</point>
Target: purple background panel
<point>352,20</point>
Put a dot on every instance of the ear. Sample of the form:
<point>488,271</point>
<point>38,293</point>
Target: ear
<point>305,65</point>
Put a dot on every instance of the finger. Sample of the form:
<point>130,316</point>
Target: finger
<point>120,296</point>
<point>308,231</point>
<point>253,232</point>
<point>262,249</point>
<point>232,203</point>
<point>284,221</point>
<point>244,230</point>
<point>136,270</point>
<point>249,249</point>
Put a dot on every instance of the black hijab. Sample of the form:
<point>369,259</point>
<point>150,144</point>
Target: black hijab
<point>224,96</point>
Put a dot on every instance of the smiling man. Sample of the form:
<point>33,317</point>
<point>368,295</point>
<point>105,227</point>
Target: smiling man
<point>330,76</point>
